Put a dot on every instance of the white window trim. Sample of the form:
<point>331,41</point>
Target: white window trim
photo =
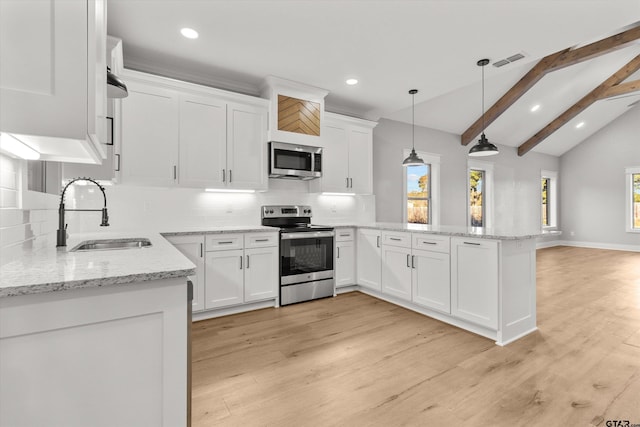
<point>487,167</point>
<point>629,196</point>
<point>553,189</point>
<point>434,161</point>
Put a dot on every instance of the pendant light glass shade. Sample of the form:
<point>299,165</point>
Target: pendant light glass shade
<point>483,147</point>
<point>115,86</point>
<point>413,159</point>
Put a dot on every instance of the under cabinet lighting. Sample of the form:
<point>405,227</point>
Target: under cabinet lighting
<point>189,33</point>
<point>338,194</point>
<point>17,148</point>
<point>579,125</point>
<point>227,190</point>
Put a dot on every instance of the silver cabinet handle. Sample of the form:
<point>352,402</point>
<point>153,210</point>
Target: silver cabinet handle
<point>224,176</point>
<point>175,172</point>
<point>347,179</point>
<point>350,182</point>
<point>413,258</point>
<point>378,241</point>
<point>247,262</point>
<point>426,242</point>
<point>118,167</point>
<point>338,248</point>
<point>408,265</point>
<point>262,240</point>
<point>345,235</point>
<point>240,262</point>
<point>395,239</point>
<point>230,175</point>
<point>228,242</point>
<point>201,250</point>
<point>472,243</point>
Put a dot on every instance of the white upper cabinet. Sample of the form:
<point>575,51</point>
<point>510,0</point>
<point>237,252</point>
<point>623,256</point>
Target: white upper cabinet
<point>203,141</point>
<point>53,77</point>
<point>246,146</point>
<point>149,126</point>
<point>347,164</point>
<point>177,133</point>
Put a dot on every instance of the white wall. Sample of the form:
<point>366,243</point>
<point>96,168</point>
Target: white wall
<point>516,179</point>
<point>134,208</point>
<point>593,187</point>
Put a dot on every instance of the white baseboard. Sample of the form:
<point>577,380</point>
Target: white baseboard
<point>599,245</point>
<point>548,244</point>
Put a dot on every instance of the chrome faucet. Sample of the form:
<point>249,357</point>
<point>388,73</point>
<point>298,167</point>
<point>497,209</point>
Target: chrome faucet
<point>62,227</point>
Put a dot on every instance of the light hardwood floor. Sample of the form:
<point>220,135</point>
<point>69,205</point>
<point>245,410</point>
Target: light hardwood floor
<point>354,360</point>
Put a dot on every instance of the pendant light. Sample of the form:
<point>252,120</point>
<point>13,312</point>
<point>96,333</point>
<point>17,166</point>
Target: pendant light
<point>115,86</point>
<point>483,147</point>
<point>413,159</point>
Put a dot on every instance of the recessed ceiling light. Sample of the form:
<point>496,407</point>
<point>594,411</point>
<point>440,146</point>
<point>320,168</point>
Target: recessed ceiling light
<point>189,33</point>
<point>352,82</point>
<point>535,108</point>
<point>579,125</point>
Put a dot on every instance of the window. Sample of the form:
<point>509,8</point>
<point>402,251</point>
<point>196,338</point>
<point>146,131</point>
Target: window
<point>479,197</point>
<point>633,199</point>
<point>549,199</point>
<point>421,190</point>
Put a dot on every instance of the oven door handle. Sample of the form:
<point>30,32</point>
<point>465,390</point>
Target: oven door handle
<point>306,235</point>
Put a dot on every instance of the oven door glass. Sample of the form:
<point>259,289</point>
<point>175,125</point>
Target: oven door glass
<point>292,160</point>
<point>304,256</point>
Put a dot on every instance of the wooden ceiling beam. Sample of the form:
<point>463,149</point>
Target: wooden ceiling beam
<point>593,96</point>
<point>621,89</point>
<point>512,95</point>
<point>553,62</point>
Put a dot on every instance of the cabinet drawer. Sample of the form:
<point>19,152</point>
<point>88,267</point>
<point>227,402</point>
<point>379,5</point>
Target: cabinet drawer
<point>431,242</point>
<point>344,234</point>
<point>475,242</point>
<point>223,242</point>
<point>260,240</point>
<point>402,240</point>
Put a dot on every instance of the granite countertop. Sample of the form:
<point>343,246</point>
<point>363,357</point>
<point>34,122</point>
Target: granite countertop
<point>185,231</point>
<point>450,230</point>
<point>55,269</point>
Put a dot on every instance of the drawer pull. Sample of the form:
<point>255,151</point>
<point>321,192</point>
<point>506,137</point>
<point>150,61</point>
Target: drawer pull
<point>472,243</point>
<point>426,242</point>
<point>262,240</point>
<point>395,239</point>
<point>226,242</point>
<point>345,235</point>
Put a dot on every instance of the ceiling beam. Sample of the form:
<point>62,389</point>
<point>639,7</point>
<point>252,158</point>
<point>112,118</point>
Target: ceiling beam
<point>553,62</point>
<point>596,94</point>
<point>509,98</point>
<point>621,89</point>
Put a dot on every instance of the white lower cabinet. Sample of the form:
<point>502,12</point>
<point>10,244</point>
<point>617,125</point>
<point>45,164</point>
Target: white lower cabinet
<point>224,278</point>
<point>474,280</point>
<point>396,271</point>
<point>431,280</point>
<point>369,260</point>
<point>345,263</point>
<point>260,274</point>
<point>192,246</point>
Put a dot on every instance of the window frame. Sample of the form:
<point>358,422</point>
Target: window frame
<point>434,201</point>
<point>487,197</point>
<point>552,199</point>
<point>629,172</point>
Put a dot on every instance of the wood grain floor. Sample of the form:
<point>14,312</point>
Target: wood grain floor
<point>354,360</point>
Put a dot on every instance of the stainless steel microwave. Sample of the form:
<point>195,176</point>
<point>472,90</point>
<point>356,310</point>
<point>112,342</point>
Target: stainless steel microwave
<point>294,161</point>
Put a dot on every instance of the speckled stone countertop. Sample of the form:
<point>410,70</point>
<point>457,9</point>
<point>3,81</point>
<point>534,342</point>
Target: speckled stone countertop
<point>185,231</point>
<point>449,230</point>
<point>56,269</point>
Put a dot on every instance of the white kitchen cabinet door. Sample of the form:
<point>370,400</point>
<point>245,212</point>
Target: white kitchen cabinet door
<point>246,147</point>
<point>203,141</point>
<point>335,159</point>
<point>53,76</point>
<point>149,127</point>
<point>396,271</point>
<point>224,278</point>
<point>431,280</point>
<point>369,261</point>
<point>193,248</point>
<point>345,263</point>
<point>261,273</point>
<point>360,161</point>
<point>474,280</point>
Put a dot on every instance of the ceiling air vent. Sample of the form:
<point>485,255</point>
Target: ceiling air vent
<point>509,60</point>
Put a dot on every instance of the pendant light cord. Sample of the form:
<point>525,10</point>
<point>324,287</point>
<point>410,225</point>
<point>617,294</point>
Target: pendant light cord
<point>413,121</point>
<point>483,99</point>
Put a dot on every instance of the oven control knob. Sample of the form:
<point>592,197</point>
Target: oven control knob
<point>270,211</point>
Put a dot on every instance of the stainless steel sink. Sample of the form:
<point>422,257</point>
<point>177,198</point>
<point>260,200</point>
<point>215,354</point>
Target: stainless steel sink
<point>111,244</point>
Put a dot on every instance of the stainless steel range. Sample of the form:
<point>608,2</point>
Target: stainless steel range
<point>306,254</point>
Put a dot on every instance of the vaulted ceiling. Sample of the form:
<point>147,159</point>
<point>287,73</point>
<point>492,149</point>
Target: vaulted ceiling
<point>392,46</point>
